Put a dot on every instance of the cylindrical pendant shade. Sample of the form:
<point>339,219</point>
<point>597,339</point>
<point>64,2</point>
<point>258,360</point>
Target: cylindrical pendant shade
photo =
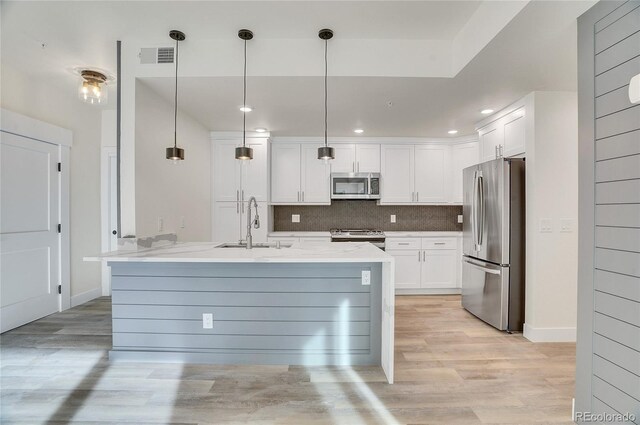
<point>326,152</point>
<point>175,153</point>
<point>243,152</point>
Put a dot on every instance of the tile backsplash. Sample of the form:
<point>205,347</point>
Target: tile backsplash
<point>366,214</point>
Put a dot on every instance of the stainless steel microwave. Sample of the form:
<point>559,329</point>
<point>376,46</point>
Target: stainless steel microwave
<point>355,185</point>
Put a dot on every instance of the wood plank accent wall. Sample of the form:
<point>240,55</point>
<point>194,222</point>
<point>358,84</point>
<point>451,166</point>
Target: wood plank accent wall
<point>615,356</point>
<point>263,313</point>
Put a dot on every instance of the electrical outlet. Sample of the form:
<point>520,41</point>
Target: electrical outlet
<point>566,225</point>
<point>160,224</point>
<point>546,225</point>
<point>207,321</point>
<point>295,218</point>
<point>393,218</point>
<point>459,218</point>
<point>366,277</point>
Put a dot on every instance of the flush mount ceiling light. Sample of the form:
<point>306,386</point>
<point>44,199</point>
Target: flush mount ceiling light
<point>325,152</point>
<point>486,111</point>
<point>358,131</point>
<point>261,130</point>
<point>93,87</point>
<point>243,152</point>
<point>174,153</point>
<point>452,131</point>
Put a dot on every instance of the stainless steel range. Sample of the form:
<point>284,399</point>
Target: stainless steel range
<point>376,237</point>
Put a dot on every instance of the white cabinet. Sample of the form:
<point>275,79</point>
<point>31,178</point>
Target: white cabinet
<point>232,177</point>
<point>430,177</point>
<point>397,162</point>
<point>514,133</point>
<point>491,141</point>
<point>354,158</point>
<point>414,174</point>
<point>298,176</point>
<point>424,264</point>
<point>230,222</point>
<point>504,137</point>
<point>462,156</point>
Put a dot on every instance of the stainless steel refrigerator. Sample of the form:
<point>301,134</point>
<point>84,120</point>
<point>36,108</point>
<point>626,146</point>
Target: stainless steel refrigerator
<point>493,271</point>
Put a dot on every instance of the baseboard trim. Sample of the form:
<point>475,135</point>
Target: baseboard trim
<point>549,334</point>
<point>84,297</point>
<point>432,291</point>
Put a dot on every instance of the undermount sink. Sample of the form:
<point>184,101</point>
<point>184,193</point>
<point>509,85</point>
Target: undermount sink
<point>255,245</point>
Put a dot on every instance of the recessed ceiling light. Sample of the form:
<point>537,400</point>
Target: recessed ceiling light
<point>261,130</point>
<point>358,130</point>
<point>486,111</point>
<point>246,108</point>
<point>452,131</point>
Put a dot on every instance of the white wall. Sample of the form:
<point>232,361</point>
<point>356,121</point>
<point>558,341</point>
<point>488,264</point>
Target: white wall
<point>552,193</point>
<point>164,189</point>
<point>39,99</point>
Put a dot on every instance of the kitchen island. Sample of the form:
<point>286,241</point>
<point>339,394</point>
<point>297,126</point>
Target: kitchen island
<point>308,304</point>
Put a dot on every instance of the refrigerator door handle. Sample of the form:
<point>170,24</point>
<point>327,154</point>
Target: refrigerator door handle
<point>480,229</point>
<point>481,267</point>
<point>473,210</point>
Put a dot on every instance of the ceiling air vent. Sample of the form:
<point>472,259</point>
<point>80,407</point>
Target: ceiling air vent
<point>152,55</point>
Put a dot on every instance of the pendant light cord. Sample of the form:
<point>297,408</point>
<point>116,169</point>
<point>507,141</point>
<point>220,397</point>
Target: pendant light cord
<point>175,104</point>
<point>326,42</point>
<point>244,98</point>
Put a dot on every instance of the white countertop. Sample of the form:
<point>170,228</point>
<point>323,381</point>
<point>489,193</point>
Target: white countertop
<point>412,234</point>
<point>206,252</point>
<point>299,234</point>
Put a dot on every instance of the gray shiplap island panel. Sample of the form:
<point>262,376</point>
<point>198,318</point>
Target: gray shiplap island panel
<point>300,313</point>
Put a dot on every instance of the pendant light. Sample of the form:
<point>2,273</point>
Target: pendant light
<point>243,152</point>
<point>175,153</point>
<point>325,152</point>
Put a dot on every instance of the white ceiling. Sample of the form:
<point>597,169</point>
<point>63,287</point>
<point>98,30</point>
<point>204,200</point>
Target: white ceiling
<point>535,51</point>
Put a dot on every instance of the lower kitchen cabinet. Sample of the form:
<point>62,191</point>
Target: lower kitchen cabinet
<point>424,264</point>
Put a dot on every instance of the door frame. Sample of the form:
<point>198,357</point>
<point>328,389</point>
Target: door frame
<point>24,126</point>
<point>106,153</point>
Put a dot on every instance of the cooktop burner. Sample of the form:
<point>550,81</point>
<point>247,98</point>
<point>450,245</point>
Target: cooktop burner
<point>355,233</point>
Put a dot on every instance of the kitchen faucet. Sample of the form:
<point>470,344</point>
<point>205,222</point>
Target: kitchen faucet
<point>256,221</point>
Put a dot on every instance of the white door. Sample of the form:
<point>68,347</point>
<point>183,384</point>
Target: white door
<point>491,138</point>
<point>345,161</point>
<point>430,180</point>
<point>462,156</point>
<point>29,239</point>
<point>368,158</point>
<point>407,268</point>
<point>226,221</point>
<point>109,208</point>
<point>285,173</point>
<point>439,268</point>
<point>226,171</point>
<point>254,172</point>
<point>514,134</point>
<point>315,184</point>
<point>397,164</point>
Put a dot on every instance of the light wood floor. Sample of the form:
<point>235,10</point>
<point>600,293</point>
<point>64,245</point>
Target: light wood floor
<point>450,369</point>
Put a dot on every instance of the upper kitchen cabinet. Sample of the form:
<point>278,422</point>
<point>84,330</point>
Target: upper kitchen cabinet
<point>504,134</point>
<point>414,174</point>
<point>397,162</point>
<point>462,156</point>
<point>297,175</point>
<point>235,180</point>
<point>353,158</point>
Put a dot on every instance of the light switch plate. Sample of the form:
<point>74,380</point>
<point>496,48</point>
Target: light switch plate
<point>546,225</point>
<point>393,218</point>
<point>366,277</point>
<point>566,225</point>
<point>459,218</point>
<point>207,320</point>
<point>295,218</point>
<point>160,224</point>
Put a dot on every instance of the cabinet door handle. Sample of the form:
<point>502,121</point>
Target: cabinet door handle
<point>403,243</point>
<point>496,149</point>
<point>237,201</point>
<point>242,202</point>
<point>298,198</point>
<point>438,243</point>
<point>353,166</point>
<point>501,151</point>
<point>419,256</point>
<point>424,255</point>
<point>358,166</point>
<point>417,196</point>
<point>303,196</point>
